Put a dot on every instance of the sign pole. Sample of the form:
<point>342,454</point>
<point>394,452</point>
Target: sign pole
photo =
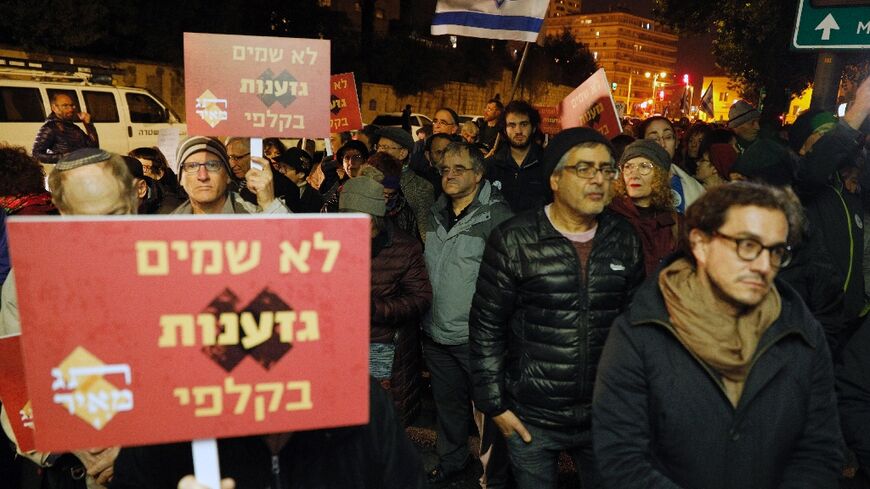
<point>826,83</point>
<point>206,466</point>
<point>519,71</point>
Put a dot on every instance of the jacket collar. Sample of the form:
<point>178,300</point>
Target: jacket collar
<point>504,158</point>
<point>546,230</point>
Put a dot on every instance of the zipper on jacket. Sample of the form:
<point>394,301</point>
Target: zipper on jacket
<point>276,472</point>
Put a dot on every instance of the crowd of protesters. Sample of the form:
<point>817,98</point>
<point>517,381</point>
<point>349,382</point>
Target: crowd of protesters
<point>680,306</point>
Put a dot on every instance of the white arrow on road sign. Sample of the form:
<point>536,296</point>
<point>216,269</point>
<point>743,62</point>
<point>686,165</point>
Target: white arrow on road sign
<point>826,25</point>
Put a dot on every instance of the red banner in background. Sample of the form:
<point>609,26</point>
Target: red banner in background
<point>13,392</point>
<point>591,105</point>
<point>550,123</point>
<point>256,86</point>
<point>344,109</point>
<point>186,328</point>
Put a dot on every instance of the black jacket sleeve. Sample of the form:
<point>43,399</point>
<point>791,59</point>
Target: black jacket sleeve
<point>491,310</point>
<point>853,385</point>
<point>620,420</point>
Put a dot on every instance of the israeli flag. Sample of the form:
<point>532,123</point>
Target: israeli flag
<point>515,20</point>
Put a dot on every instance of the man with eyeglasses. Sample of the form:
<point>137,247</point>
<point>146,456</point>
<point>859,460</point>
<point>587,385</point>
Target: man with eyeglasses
<point>515,168</point>
<point>206,176</point>
<point>60,135</point>
<point>446,121</point>
<point>399,144</point>
<point>718,376</point>
<point>551,282</point>
<point>459,224</point>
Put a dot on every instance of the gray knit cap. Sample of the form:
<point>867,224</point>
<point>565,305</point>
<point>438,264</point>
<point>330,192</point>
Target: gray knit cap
<point>648,149</point>
<point>196,144</point>
<point>82,157</point>
<point>363,194</point>
<point>740,113</point>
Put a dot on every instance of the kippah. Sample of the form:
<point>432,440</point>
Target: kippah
<point>82,157</point>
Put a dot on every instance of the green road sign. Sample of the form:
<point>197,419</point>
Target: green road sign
<point>832,24</point>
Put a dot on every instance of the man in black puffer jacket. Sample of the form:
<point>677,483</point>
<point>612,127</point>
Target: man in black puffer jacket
<point>551,282</point>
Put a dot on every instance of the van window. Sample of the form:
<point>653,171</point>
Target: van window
<point>70,93</point>
<point>101,106</point>
<point>19,104</point>
<point>145,109</point>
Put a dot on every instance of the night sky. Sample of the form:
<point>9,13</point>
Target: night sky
<point>693,55</point>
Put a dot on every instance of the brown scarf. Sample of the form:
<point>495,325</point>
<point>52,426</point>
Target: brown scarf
<point>724,343</point>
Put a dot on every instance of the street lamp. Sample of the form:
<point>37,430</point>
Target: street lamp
<point>655,78</point>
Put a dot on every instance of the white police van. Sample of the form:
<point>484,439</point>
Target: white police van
<point>125,118</point>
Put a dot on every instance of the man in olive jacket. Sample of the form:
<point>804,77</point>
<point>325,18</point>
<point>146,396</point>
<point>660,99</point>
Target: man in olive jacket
<point>551,282</point>
<point>717,376</point>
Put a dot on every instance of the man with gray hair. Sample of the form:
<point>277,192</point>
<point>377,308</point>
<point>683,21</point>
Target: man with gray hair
<point>459,224</point>
<point>205,173</point>
<point>551,282</point>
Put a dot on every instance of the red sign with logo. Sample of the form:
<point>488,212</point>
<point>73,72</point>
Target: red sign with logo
<point>141,330</point>
<point>256,86</point>
<point>591,105</point>
<point>550,122</point>
<point>13,392</point>
<point>344,108</point>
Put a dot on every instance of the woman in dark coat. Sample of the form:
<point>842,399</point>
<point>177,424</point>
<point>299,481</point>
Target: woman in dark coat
<point>400,295</point>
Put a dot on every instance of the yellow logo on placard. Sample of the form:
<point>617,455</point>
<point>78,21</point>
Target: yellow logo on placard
<point>211,109</point>
<point>81,386</point>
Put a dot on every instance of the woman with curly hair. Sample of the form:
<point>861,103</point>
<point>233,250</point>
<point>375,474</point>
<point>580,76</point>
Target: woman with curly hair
<point>22,184</point>
<point>644,197</point>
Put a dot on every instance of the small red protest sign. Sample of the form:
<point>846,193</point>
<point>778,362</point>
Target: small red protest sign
<point>550,123</point>
<point>344,105</point>
<point>185,328</point>
<point>591,105</point>
<point>256,86</point>
<point>13,392</point>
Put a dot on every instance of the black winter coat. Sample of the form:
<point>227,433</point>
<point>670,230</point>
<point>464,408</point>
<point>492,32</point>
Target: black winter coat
<point>524,186</point>
<point>536,332</point>
<point>662,419</point>
<point>853,385</point>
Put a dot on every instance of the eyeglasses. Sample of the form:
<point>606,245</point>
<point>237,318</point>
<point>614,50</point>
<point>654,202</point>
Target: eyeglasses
<point>749,249</point>
<point>384,147</point>
<point>442,122</point>
<point>666,137</point>
<point>239,157</point>
<point>353,158</point>
<point>458,171</point>
<point>212,166</point>
<point>642,168</point>
<point>586,171</point>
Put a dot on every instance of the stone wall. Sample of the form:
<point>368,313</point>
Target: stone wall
<point>464,98</point>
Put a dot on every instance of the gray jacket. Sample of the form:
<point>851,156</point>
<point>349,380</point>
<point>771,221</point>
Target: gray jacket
<point>453,258</point>
<point>235,204</point>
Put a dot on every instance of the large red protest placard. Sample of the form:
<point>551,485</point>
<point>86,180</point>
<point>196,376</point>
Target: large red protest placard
<point>13,392</point>
<point>344,107</point>
<point>256,86</point>
<point>591,105</point>
<point>146,330</point>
